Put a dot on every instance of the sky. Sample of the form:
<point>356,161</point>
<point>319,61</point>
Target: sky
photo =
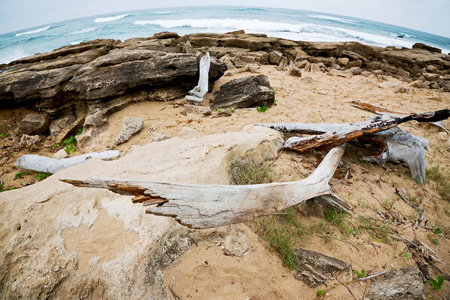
<point>432,16</point>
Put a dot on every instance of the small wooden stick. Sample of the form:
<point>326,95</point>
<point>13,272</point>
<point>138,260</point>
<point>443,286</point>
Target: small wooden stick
<point>419,210</point>
<point>372,276</point>
<point>173,292</point>
<point>348,289</point>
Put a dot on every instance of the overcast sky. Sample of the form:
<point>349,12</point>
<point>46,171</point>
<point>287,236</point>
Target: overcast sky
<point>431,16</point>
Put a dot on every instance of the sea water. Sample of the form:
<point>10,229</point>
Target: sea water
<point>284,23</point>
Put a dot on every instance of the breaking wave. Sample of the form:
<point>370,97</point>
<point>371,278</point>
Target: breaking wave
<point>34,31</point>
<point>85,30</point>
<point>252,25</point>
<point>323,17</point>
<point>110,19</point>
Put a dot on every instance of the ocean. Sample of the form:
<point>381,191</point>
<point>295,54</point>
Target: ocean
<point>284,23</point>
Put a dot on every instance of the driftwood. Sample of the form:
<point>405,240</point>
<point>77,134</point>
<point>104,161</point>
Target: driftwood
<point>314,268</point>
<point>384,111</point>
<point>208,206</point>
<point>394,144</point>
<point>399,145</point>
<point>46,164</point>
<point>196,94</point>
<point>331,135</point>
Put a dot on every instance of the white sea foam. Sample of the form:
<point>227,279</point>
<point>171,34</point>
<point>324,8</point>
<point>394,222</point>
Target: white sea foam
<point>84,30</point>
<point>252,25</point>
<point>34,31</point>
<point>307,32</point>
<point>332,19</point>
<point>11,55</point>
<point>76,42</point>
<point>161,12</point>
<point>110,19</point>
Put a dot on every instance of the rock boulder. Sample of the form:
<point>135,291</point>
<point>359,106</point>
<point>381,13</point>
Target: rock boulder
<point>404,283</point>
<point>251,91</point>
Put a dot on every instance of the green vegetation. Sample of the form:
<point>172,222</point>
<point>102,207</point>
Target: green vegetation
<point>262,108</point>
<point>361,274</point>
<point>437,284</point>
<point>319,293</point>
<point>339,219</point>
<point>376,229</point>
<point>442,181</point>
<point>251,173</point>
<point>70,145</point>
<point>278,238</point>
<point>42,175</point>
<point>277,230</point>
<point>19,174</point>
<point>433,238</point>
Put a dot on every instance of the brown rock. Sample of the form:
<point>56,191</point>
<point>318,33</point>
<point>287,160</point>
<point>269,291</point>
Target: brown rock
<point>343,61</point>
<point>275,57</point>
<point>34,124</point>
<point>294,70</point>
<point>166,35</point>
<point>249,91</point>
<point>426,47</point>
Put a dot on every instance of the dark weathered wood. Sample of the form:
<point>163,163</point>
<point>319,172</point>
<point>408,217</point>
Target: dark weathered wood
<point>384,111</point>
<point>207,206</point>
<point>333,135</point>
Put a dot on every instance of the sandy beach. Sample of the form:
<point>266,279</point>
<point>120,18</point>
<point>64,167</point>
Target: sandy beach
<point>205,271</point>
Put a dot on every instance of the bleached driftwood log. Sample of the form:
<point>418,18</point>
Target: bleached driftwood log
<point>331,135</point>
<point>400,145</point>
<point>384,111</point>
<point>395,144</point>
<point>208,206</point>
<point>46,164</point>
<point>196,94</point>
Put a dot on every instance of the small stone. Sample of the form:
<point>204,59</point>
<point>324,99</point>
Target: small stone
<point>275,57</point>
<point>401,89</point>
<point>301,64</point>
<point>343,61</point>
<point>60,154</point>
<point>399,284</point>
<point>158,137</point>
<point>308,80</point>
<point>294,71</point>
<point>131,126</point>
<point>34,124</point>
<point>202,110</point>
<point>14,286</point>
<point>189,133</point>
<point>29,141</point>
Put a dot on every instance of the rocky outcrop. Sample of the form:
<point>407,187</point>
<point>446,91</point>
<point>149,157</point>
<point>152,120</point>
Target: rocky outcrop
<point>102,243</point>
<point>251,91</point>
<point>102,76</point>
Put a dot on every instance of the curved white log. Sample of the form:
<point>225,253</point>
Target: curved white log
<point>207,206</point>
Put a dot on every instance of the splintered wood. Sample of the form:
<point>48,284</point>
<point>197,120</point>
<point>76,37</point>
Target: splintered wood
<point>395,144</point>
